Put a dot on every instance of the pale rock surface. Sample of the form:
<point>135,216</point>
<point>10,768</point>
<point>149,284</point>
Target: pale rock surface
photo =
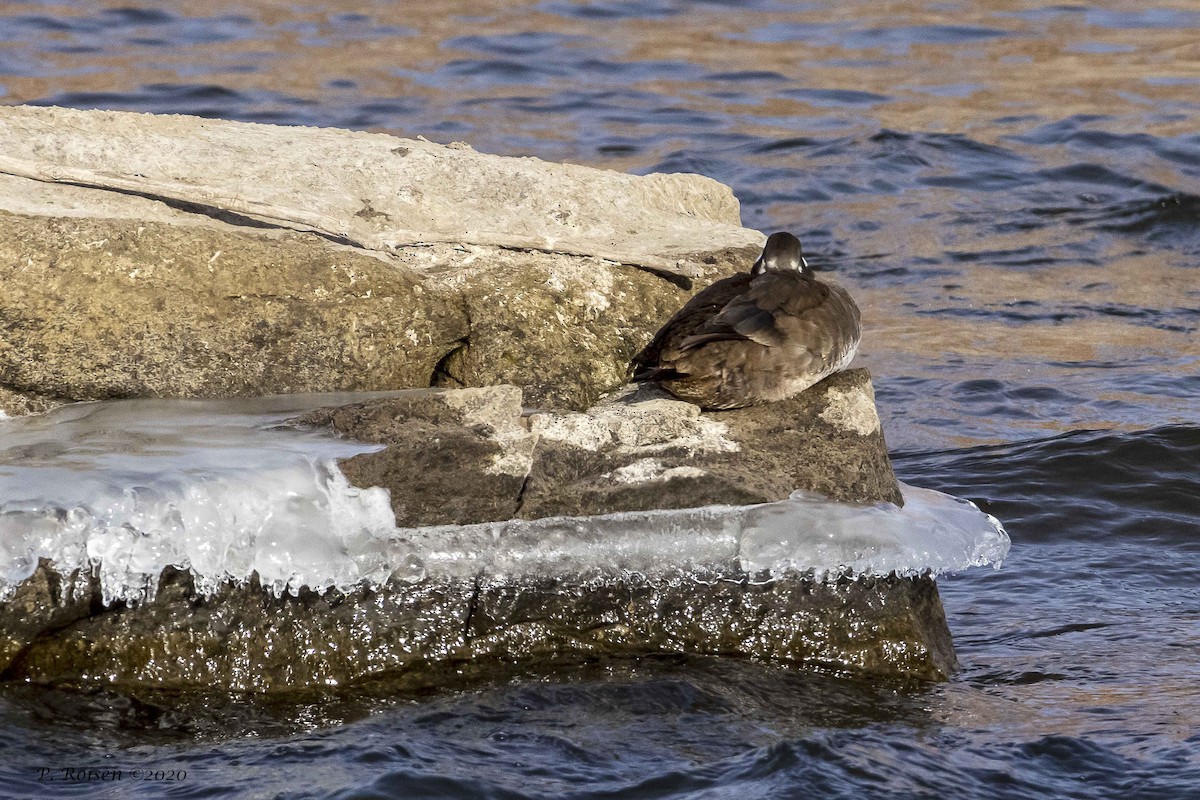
<point>147,255</point>
<point>638,450</point>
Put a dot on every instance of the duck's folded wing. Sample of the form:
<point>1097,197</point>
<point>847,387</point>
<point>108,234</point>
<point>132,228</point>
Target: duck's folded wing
<point>705,305</point>
<point>741,321</point>
<point>647,365</point>
<point>762,313</point>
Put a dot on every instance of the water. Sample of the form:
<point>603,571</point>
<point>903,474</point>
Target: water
<point>1012,193</point>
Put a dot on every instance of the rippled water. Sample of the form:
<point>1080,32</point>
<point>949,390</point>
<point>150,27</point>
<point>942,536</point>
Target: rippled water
<point>1012,192</point>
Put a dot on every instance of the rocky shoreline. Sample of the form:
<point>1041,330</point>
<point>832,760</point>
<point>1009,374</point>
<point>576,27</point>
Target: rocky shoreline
<point>157,256</point>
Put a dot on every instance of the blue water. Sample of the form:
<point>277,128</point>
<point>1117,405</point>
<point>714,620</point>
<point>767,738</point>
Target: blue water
<point>1012,193</point>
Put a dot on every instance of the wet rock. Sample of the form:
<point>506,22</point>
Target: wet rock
<point>46,602</point>
<point>242,639</point>
<point>876,626</point>
<point>147,255</point>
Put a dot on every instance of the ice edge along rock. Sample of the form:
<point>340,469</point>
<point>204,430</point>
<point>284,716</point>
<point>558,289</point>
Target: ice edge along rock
<point>165,256</point>
<point>457,457</point>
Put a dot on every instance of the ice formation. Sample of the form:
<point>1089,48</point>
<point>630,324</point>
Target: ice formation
<point>128,488</point>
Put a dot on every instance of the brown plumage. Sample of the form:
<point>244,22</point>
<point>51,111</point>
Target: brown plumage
<point>755,337</point>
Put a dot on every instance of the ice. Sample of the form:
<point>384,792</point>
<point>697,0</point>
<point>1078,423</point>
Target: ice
<point>128,488</point>
<point>933,532</point>
<point>806,534</point>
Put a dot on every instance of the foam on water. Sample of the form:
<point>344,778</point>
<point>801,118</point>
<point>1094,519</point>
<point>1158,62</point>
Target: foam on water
<point>219,488</point>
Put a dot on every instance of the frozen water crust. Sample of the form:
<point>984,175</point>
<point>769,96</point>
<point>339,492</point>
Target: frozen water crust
<point>218,488</point>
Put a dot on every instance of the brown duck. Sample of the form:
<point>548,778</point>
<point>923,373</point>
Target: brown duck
<point>755,337</point>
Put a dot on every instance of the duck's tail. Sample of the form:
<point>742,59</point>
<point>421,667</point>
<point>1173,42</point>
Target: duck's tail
<point>657,373</point>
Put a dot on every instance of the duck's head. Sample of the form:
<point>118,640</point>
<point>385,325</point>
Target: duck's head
<point>782,251</point>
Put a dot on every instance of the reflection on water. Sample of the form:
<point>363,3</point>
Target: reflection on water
<point>1011,189</point>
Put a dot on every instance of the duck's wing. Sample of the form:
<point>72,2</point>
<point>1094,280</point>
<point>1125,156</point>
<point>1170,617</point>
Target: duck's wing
<point>704,305</point>
<point>763,313</point>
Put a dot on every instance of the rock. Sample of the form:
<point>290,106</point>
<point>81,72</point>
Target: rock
<point>452,457</point>
<point>886,626</point>
<point>644,450</point>
<point>17,404</point>
<point>535,319</point>
<point>175,256</point>
<point>147,255</point>
<point>466,456</point>
<point>370,190</point>
<point>244,640</point>
<point>45,602</point>
<point>96,309</point>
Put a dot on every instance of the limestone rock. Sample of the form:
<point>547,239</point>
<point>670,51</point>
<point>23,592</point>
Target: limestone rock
<point>147,255</point>
<point>96,309</point>
<point>372,190</point>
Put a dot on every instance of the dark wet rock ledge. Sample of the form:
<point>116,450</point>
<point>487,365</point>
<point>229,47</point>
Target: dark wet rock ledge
<point>243,639</point>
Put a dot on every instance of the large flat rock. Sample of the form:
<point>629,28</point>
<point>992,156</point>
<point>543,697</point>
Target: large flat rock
<point>173,256</point>
<point>148,255</point>
<point>495,561</point>
<point>377,191</point>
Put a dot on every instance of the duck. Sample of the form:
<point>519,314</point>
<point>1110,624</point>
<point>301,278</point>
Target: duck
<point>755,337</point>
